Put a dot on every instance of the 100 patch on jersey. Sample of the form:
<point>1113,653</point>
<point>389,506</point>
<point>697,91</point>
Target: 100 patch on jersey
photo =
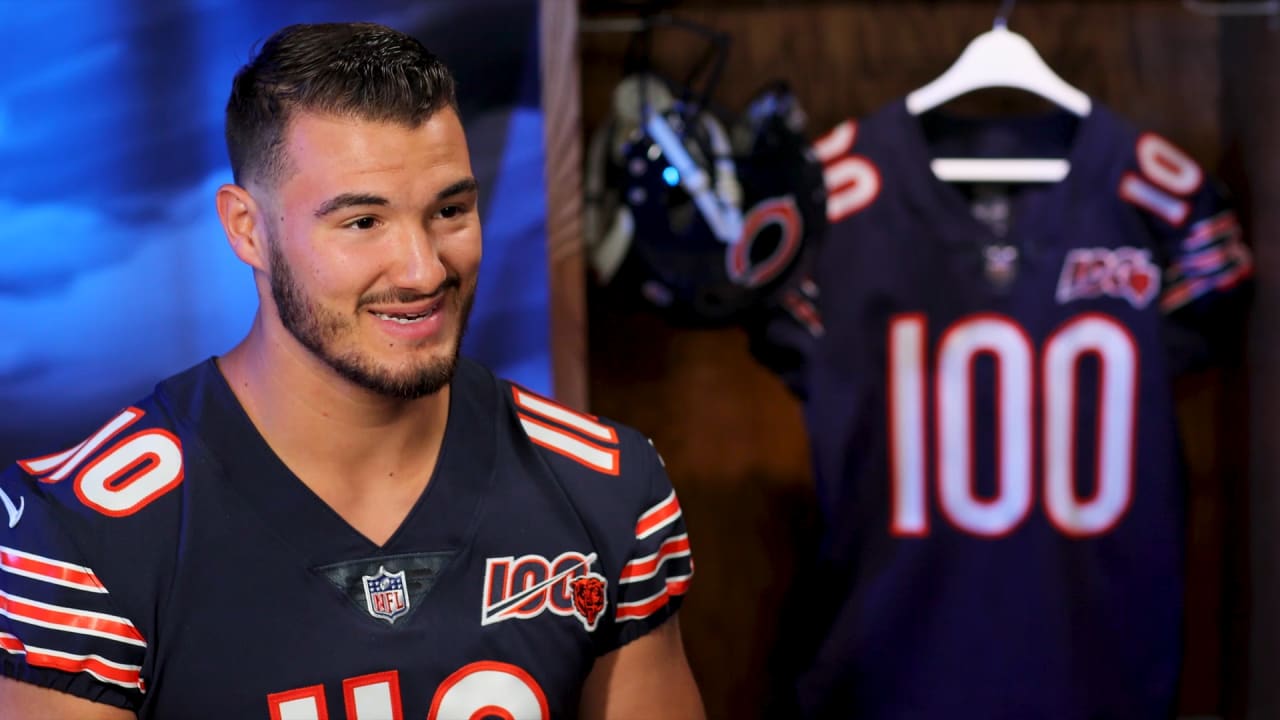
<point>525,587</point>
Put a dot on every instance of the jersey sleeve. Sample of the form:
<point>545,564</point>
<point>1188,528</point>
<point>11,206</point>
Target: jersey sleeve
<point>59,626</point>
<point>659,567</point>
<point>1207,267</point>
<point>1208,284</point>
<point>1208,258</point>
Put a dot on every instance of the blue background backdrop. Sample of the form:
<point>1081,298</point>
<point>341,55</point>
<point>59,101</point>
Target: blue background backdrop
<point>114,271</point>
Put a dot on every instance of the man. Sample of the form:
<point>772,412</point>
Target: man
<point>340,517</point>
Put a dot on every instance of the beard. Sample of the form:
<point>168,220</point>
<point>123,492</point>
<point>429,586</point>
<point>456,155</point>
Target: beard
<point>318,329</point>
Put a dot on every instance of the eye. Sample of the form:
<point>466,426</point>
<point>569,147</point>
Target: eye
<point>451,211</point>
<point>363,223</point>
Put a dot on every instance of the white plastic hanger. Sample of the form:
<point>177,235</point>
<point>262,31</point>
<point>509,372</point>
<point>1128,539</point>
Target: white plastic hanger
<point>999,58</point>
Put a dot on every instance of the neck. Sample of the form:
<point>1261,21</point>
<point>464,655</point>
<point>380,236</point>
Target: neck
<point>328,430</point>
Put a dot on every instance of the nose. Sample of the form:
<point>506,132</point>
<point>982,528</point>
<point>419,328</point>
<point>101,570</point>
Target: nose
<point>416,263</point>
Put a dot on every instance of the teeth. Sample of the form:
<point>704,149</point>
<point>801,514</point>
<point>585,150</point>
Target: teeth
<point>404,319</point>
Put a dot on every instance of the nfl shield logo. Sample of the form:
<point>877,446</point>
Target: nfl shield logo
<point>385,594</point>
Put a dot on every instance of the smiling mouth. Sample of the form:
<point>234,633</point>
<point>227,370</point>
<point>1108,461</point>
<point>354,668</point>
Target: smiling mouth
<point>406,319</point>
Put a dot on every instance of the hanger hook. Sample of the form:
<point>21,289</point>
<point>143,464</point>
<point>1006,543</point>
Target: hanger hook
<point>1002,16</point>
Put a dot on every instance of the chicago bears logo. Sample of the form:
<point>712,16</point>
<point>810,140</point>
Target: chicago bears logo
<point>1125,273</point>
<point>588,599</point>
<point>741,261</point>
<point>521,588</point>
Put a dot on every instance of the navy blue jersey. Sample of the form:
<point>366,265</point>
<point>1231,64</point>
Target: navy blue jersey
<point>987,382</point>
<point>172,565</point>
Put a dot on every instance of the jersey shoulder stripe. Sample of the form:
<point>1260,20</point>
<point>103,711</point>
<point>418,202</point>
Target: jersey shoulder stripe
<point>589,425</point>
<point>584,452</point>
<point>580,437</point>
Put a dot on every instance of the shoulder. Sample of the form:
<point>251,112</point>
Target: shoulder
<point>613,480</point>
<point>98,476</point>
<point>1187,210</point>
<point>854,154</point>
<point>576,441</point>
<point>876,135</point>
<point>1154,176</point>
<point>103,501</point>
<point>609,471</point>
<point>572,443</point>
<point>80,565</point>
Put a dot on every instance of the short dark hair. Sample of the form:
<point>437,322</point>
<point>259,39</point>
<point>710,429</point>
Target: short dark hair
<point>359,70</point>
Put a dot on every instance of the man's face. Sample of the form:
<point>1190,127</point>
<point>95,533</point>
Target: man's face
<point>375,248</point>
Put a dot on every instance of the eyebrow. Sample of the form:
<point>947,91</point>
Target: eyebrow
<point>467,185</point>
<point>346,200</point>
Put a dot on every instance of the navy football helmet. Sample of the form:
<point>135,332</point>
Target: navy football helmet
<point>701,220</point>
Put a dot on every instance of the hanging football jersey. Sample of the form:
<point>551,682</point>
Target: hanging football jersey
<point>987,380</point>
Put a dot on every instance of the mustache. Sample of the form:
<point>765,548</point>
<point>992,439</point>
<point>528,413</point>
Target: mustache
<point>406,296</point>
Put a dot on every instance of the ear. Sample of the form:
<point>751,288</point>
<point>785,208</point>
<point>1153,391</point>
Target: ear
<point>244,222</point>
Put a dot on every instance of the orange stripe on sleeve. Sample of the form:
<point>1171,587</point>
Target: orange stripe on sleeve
<point>116,673</point>
<point>658,516</point>
<point>69,620</point>
<point>49,570</point>
<point>646,567</point>
<point>644,608</point>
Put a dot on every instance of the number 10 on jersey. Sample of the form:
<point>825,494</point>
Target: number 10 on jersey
<point>1017,367</point>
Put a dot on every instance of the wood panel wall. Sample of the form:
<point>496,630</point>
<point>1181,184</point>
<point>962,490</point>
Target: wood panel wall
<point>562,103</point>
<point>732,437</point>
<point>1250,59</point>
